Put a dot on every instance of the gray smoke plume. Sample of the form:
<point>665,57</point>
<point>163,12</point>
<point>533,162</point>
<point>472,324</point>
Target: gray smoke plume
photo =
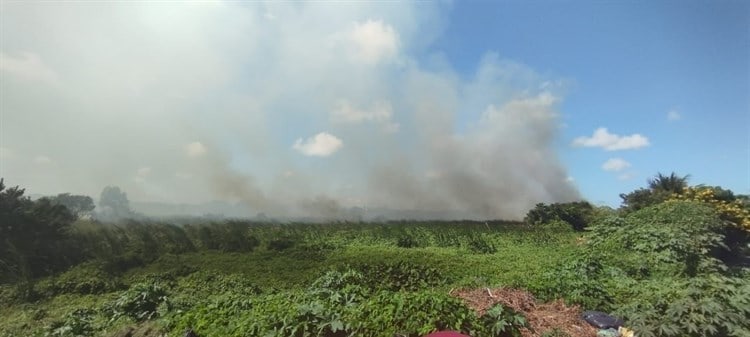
<point>323,110</point>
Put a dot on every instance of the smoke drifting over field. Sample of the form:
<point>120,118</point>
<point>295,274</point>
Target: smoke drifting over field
<point>290,109</point>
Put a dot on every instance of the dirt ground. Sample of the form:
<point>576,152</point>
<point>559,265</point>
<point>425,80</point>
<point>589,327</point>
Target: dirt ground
<point>542,317</point>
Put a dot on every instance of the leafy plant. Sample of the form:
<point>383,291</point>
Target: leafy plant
<point>408,241</point>
<point>279,244</point>
<point>401,276</point>
<point>141,302</point>
<point>579,280</point>
<point>673,237</point>
<point>576,214</point>
<point>503,321</point>
<point>87,278</point>
<point>481,244</point>
<point>411,314</point>
<point>76,324</point>
<point>704,306</point>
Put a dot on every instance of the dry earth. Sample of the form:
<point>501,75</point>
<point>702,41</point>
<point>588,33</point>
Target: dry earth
<point>542,317</point>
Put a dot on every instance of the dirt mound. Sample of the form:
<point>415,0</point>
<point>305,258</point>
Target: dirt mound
<point>542,317</point>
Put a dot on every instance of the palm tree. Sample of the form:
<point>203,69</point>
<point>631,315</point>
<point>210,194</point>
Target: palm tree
<point>671,183</point>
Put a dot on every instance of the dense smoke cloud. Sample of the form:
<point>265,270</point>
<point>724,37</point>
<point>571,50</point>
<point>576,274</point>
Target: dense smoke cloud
<point>289,109</point>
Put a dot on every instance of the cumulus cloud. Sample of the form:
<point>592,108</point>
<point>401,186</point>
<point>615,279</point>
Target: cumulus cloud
<point>195,149</point>
<point>673,115</point>
<point>321,145</point>
<point>612,142</point>
<point>374,41</point>
<point>217,93</point>
<point>615,164</point>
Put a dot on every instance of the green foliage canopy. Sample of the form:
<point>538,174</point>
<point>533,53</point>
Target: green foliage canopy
<point>32,234</point>
<point>576,214</point>
<point>79,205</point>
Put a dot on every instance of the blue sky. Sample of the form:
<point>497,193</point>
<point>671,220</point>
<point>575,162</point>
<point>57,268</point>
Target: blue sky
<point>468,108</point>
<point>630,63</point>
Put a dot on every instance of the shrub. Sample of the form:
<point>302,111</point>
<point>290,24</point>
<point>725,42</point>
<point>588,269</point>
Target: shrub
<point>88,278</point>
<point>579,280</point>
<point>408,241</point>
<point>279,244</point>
<point>673,237</point>
<point>503,321</point>
<point>642,198</point>
<point>411,314</point>
<point>481,244</point>
<point>141,302</point>
<point>704,306</point>
<point>726,204</point>
<point>401,276</point>
<point>576,214</point>
<point>205,283</point>
<point>76,324</point>
<point>733,210</point>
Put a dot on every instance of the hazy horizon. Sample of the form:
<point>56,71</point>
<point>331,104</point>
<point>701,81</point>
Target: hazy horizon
<point>311,109</point>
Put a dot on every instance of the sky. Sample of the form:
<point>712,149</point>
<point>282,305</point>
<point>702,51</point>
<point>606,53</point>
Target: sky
<point>457,109</point>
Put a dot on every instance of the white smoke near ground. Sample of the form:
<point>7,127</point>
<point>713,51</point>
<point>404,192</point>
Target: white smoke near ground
<point>290,109</point>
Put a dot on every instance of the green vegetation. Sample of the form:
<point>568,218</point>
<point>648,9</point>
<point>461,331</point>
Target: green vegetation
<point>676,266</point>
<point>577,215</point>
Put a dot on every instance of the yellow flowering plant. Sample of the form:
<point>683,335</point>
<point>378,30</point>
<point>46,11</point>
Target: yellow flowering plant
<point>729,208</point>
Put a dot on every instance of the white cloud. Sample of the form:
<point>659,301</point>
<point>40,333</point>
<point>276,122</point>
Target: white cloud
<point>321,145</point>
<point>44,160</point>
<point>612,142</point>
<point>374,41</point>
<point>380,112</point>
<point>673,115</point>
<point>570,179</point>
<point>195,149</point>
<point>615,164</point>
<point>28,66</point>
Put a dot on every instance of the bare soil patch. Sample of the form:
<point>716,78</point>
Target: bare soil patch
<point>542,317</point>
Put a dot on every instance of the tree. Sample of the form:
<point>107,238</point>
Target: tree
<point>671,183</point>
<point>79,205</point>
<point>32,234</point>
<point>642,198</point>
<point>576,214</point>
<point>114,203</point>
<point>660,189</point>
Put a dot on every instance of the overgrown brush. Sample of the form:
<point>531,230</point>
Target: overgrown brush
<point>343,304</point>
<point>660,268</point>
